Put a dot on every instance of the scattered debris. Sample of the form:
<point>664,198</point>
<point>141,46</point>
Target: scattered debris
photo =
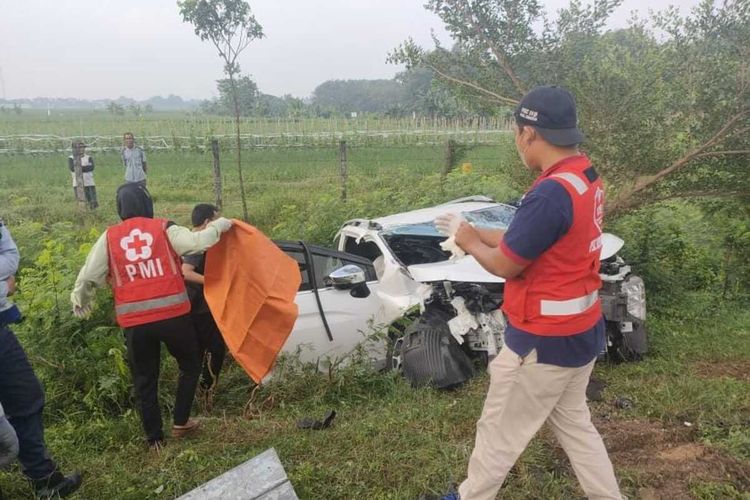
<point>310,423</point>
<point>260,478</point>
<point>624,403</point>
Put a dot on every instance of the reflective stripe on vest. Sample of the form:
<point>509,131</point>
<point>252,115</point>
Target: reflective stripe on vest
<point>578,184</point>
<point>568,307</point>
<point>146,305</point>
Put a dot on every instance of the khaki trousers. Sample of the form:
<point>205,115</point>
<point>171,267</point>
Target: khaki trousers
<point>522,395</point>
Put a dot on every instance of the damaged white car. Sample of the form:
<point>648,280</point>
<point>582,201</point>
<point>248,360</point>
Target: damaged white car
<point>442,316</point>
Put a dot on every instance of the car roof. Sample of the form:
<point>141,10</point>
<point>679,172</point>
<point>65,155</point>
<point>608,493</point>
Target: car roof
<point>429,214</point>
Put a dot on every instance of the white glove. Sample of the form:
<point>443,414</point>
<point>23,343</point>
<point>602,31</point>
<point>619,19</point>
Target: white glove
<point>449,245</point>
<point>448,223</point>
<point>222,224</point>
<point>81,312</point>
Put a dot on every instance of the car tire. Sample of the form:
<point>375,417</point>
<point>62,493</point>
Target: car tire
<point>619,348</point>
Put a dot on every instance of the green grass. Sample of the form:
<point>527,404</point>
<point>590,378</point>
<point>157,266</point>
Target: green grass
<point>391,441</point>
<point>38,187</point>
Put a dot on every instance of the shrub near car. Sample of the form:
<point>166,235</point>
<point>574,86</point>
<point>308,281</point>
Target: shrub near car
<point>393,267</point>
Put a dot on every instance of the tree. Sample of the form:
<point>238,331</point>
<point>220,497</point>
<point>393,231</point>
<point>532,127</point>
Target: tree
<point>115,108</point>
<point>135,109</point>
<point>345,96</point>
<point>247,96</point>
<point>230,26</point>
<point>666,102</point>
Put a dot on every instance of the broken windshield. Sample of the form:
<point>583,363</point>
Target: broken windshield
<point>496,217</point>
<point>420,243</point>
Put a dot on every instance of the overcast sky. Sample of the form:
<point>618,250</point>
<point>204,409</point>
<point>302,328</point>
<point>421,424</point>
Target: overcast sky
<point>141,48</point>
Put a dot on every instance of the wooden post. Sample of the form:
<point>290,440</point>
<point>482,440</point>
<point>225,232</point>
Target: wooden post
<point>78,171</point>
<point>217,172</point>
<point>342,168</point>
<point>449,160</point>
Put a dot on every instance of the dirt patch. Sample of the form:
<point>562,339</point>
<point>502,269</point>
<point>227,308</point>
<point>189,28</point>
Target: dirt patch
<point>683,452</point>
<point>666,459</point>
<point>738,369</point>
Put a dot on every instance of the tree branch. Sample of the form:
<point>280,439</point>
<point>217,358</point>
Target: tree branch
<point>625,199</point>
<point>504,100</point>
<point>721,153</point>
<point>701,194</point>
<point>479,30</point>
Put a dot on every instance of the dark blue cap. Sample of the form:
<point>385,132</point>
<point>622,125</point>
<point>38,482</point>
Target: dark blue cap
<point>551,110</point>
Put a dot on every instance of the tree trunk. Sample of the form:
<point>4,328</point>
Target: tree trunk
<point>217,172</point>
<point>78,171</point>
<point>342,168</point>
<point>239,146</point>
<point>449,161</point>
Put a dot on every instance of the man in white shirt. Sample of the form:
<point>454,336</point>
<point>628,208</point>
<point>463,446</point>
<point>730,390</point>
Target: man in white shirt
<point>87,167</point>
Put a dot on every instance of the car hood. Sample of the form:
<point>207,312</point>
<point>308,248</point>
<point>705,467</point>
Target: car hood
<point>467,269</point>
<point>464,269</point>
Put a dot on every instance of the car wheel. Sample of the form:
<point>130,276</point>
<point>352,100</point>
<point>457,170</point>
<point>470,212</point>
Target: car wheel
<point>619,348</point>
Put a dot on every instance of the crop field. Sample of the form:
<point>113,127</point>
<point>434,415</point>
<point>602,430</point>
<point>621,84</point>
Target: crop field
<point>683,435</point>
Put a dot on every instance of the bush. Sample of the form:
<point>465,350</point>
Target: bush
<point>81,363</point>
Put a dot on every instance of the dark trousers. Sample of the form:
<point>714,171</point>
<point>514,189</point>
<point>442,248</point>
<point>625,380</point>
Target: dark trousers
<point>144,356</point>
<point>22,398</point>
<point>90,193</point>
<point>212,347</point>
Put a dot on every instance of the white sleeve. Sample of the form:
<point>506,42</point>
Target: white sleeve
<point>185,242</point>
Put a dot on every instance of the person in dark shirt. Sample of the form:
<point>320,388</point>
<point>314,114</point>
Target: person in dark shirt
<point>209,337</point>
<point>549,257</point>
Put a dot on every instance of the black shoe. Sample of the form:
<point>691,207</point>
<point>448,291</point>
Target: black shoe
<point>56,485</point>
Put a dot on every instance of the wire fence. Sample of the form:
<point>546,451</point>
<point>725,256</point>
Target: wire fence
<point>277,178</point>
<point>39,144</point>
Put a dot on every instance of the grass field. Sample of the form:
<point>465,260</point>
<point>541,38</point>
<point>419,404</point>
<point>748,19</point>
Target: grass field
<point>685,436</point>
<point>38,187</point>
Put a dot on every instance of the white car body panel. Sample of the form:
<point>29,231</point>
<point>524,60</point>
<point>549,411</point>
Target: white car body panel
<point>611,244</point>
<point>350,319</point>
<point>464,269</point>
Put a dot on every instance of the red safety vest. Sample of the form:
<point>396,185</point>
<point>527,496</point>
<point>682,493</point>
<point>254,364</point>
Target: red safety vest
<point>145,273</point>
<point>557,294</point>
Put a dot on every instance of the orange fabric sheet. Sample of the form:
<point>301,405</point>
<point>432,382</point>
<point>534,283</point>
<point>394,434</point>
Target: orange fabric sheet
<point>250,287</point>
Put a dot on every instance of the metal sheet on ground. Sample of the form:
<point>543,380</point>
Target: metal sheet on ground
<point>260,478</point>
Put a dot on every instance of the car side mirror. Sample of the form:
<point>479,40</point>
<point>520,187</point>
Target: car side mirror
<point>345,277</point>
<point>349,277</point>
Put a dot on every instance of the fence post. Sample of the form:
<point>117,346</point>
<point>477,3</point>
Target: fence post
<point>78,171</point>
<point>217,172</point>
<point>342,168</point>
<point>449,160</point>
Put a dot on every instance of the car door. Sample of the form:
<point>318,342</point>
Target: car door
<point>331,322</point>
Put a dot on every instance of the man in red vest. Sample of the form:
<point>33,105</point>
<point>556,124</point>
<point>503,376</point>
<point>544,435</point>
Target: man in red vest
<point>140,259</point>
<point>549,257</point>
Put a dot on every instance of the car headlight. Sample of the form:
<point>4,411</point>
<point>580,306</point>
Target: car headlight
<point>635,290</point>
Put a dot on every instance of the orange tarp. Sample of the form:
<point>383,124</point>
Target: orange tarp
<point>250,287</point>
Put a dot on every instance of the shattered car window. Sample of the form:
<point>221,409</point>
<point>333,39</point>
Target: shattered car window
<point>498,217</point>
<point>420,243</point>
<point>423,229</point>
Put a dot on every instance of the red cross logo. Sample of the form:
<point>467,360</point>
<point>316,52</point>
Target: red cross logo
<point>137,245</point>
